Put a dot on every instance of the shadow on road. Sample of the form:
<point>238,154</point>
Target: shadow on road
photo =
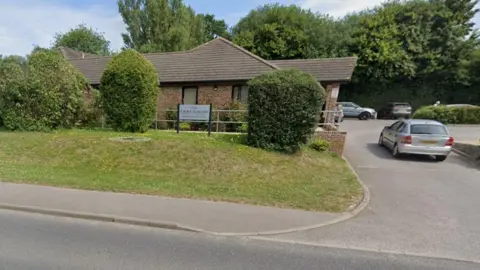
<point>385,153</point>
<point>456,159</point>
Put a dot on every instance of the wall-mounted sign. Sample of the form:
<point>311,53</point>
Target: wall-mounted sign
<point>335,91</point>
<point>187,112</point>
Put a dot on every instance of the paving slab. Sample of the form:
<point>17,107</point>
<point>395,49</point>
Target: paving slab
<point>196,215</point>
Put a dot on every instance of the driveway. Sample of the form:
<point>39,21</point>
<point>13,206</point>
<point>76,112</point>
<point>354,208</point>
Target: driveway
<point>418,206</point>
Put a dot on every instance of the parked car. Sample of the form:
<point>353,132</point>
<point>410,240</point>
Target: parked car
<point>351,109</point>
<point>420,137</point>
<point>395,110</point>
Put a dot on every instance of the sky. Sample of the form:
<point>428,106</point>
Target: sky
<point>26,23</point>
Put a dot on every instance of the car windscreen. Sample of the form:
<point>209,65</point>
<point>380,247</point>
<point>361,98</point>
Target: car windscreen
<point>428,129</point>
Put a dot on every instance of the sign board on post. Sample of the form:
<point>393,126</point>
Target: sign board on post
<point>194,113</point>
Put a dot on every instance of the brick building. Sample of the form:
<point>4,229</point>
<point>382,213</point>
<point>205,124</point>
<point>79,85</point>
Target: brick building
<point>217,72</point>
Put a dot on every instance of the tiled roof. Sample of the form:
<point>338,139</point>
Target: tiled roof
<point>327,69</point>
<point>217,60</point>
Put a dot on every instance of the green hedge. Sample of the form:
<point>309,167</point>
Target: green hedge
<point>45,94</point>
<point>129,89</point>
<point>448,115</point>
<point>282,109</point>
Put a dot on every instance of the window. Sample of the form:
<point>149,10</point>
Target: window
<point>395,125</point>
<point>240,93</point>
<point>346,105</point>
<point>189,95</point>
<point>401,128</point>
<point>428,129</point>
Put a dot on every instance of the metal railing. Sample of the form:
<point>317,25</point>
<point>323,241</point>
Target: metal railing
<point>221,118</point>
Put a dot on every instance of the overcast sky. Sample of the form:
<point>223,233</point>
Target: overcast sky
<point>25,23</point>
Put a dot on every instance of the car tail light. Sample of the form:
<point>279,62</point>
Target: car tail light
<point>450,142</point>
<point>406,140</point>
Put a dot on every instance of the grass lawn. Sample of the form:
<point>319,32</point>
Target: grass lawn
<point>186,165</point>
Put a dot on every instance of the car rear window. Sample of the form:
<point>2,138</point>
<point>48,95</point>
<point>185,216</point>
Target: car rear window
<point>428,129</point>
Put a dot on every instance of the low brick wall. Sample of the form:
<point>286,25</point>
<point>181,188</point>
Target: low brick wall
<point>469,150</point>
<point>336,139</point>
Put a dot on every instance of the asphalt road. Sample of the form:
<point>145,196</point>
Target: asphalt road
<point>31,241</point>
<point>418,206</point>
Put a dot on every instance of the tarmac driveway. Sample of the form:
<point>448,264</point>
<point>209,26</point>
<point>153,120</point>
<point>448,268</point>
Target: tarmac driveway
<point>418,206</point>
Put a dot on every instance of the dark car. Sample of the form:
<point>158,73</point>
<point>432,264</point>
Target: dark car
<point>394,110</point>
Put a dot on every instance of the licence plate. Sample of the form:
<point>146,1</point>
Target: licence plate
<point>429,142</point>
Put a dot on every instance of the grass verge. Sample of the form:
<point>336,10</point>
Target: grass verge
<point>186,165</point>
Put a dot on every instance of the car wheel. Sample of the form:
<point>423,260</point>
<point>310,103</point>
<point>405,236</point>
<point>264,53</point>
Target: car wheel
<point>440,158</point>
<point>364,116</point>
<point>395,152</point>
<point>380,140</point>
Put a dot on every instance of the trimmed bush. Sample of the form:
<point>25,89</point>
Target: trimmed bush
<point>129,89</point>
<point>45,94</point>
<point>320,145</point>
<point>448,115</point>
<point>282,109</point>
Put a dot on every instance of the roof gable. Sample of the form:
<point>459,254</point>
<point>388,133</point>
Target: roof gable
<point>74,54</point>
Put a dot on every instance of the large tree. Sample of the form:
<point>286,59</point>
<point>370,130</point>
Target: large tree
<point>83,38</point>
<point>413,51</point>
<point>214,27</point>
<point>274,31</point>
<point>161,25</point>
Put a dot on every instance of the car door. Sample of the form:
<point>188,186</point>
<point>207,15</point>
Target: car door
<point>390,133</point>
<point>347,109</point>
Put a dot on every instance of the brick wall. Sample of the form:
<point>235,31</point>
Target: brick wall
<point>220,97</point>
<point>170,96</point>
<point>335,138</point>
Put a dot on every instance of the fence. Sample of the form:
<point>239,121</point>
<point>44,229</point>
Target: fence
<point>234,120</point>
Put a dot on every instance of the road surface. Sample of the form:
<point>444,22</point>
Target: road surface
<point>37,242</point>
<point>418,206</point>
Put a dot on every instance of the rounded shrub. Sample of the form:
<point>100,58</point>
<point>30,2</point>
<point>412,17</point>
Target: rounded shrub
<point>320,145</point>
<point>45,94</point>
<point>129,89</point>
<point>282,109</point>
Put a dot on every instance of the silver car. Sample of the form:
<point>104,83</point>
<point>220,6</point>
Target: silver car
<point>351,109</point>
<point>420,137</point>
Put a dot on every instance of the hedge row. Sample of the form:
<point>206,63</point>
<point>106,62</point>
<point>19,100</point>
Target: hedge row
<point>449,115</point>
<point>44,94</point>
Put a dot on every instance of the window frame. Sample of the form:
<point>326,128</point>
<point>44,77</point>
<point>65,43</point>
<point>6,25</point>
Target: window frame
<point>196,93</point>
<point>391,126</point>
<point>241,86</point>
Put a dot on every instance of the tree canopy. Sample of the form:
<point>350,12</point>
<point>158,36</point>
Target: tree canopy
<point>84,39</point>
<point>161,25</point>
<point>275,32</point>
